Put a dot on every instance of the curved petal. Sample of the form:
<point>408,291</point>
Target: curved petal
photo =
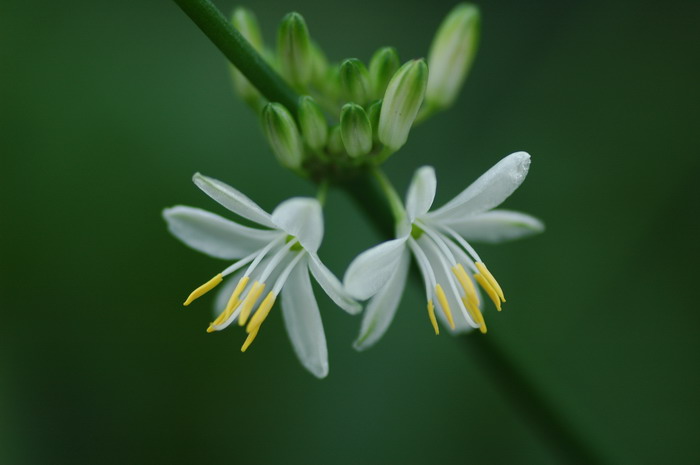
<point>496,226</point>
<point>213,235</point>
<point>232,199</point>
<point>303,321</point>
<point>487,192</point>
<point>370,270</point>
<point>382,308</point>
<point>302,218</point>
<point>421,193</point>
<point>332,286</point>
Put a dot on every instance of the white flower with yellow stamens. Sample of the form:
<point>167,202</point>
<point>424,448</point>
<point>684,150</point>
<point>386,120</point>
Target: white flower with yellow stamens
<point>438,240</point>
<point>269,262</point>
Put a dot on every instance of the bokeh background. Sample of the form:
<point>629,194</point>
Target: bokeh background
<point>106,110</point>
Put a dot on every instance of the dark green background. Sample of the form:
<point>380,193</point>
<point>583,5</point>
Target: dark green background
<point>107,109</point>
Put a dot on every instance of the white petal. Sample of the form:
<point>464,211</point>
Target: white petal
<point>213,235</point>
<point>487,192</point>
<point>496,226</point>
<point>232,199</point>
<point>303,321</point>
<point>302,218</point>
<point>421,193</point>
<point>332,286</point>
<point>370,270</point>
<point>382,308</point>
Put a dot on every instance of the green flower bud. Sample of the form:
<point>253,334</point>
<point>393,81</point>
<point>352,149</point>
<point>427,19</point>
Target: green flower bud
<point>373,115</point>
<point>451,55</point>
<point>355,82</point>
<point>335,140</point>
<point>402,100</point>
<point>356,130</point>
<point>283,135</point>
<point>319,64</point>
<point>382,67</point>
<point>294,50</point>
<point>244,20</point>
<point>314,127</point>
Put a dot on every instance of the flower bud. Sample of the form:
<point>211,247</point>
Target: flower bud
<point>401,103</point>
<point>451,55</point>
<point>294,50</point>
<point>283,135</point>
<point>335,140</point>
<point>314,127</point>
<point>373,114</point>
<point>356,130</point>
<point>382,67</point>
<point>244,20</point>
<point>354,81</point>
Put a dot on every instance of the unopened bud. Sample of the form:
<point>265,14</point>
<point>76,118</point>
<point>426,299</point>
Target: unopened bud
<point>294,50</point>
<point>355,130</point>
<point>382,67</point>
<point>451,55</point>
<point>335,140</point>
<point>402,100</point>
<point>244,20</point>
<point>373,113</point>
<point>314,127</point>
<point>355,82</point>
<point>283,135</point>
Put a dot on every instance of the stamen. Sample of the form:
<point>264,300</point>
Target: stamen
<point>476,315</point>
<point>263,310</point>
<point>233,303</point>
<point>204,288</point>
<point>249,301</point>
<point>467,285</point>
<point>493,295</point>
<point>445,306</point>
<point>431,314</point>
<point>249,340</point>
<point>460,240</point>
<point>492,281</point>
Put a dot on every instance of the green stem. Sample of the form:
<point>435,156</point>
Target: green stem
<point>322,192</point>
<point>241,54</point>
<point>392,198</point>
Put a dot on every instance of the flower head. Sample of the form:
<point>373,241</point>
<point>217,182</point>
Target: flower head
<point>439,242</point>
<point>269,262</point>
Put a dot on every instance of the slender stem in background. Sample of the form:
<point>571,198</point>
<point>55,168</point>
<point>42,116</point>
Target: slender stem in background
<point>376,197</point>
<point>322,192</point>
<point>241,54</point>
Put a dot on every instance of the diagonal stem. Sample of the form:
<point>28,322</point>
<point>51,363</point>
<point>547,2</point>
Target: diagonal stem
<point>239,52</point>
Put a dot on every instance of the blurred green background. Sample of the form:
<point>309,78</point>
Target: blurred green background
<point>106,111</point>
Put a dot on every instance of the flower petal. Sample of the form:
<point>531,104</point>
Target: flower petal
<point>213,235</point>
<point>382,308</point>
<point>370,270</point>
<point>421,192</point>
<point>302,218</point>
<point>332,286</point>
<point>303,321</point>
<point>232,199</point>
<point>487,192</point>
<point>496,226</point>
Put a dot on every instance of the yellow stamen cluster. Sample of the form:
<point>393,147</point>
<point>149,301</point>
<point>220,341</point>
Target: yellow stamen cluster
<point>445,306</point>
<point>234,302</point>
<point>471,298</point>
<point>489,284</point>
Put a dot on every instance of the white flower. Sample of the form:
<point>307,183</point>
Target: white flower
<point>438,242</point>
<point>278,258</point>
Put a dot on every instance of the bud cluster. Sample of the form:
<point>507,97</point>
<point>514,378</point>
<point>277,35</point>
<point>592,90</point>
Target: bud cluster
<point>349,113</point>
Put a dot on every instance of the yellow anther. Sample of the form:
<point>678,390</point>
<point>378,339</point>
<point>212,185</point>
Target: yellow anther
<point>204,288</point>
<point>261,314</point>
<point>445,306</point>
<point>249,301</point>
<point>489,290</point>
<point>467,284</point>
<point>232,304</point>
<point>249,340</point>
<point>476,315</point>
<point>492,281</point>
<point>431,314</point>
